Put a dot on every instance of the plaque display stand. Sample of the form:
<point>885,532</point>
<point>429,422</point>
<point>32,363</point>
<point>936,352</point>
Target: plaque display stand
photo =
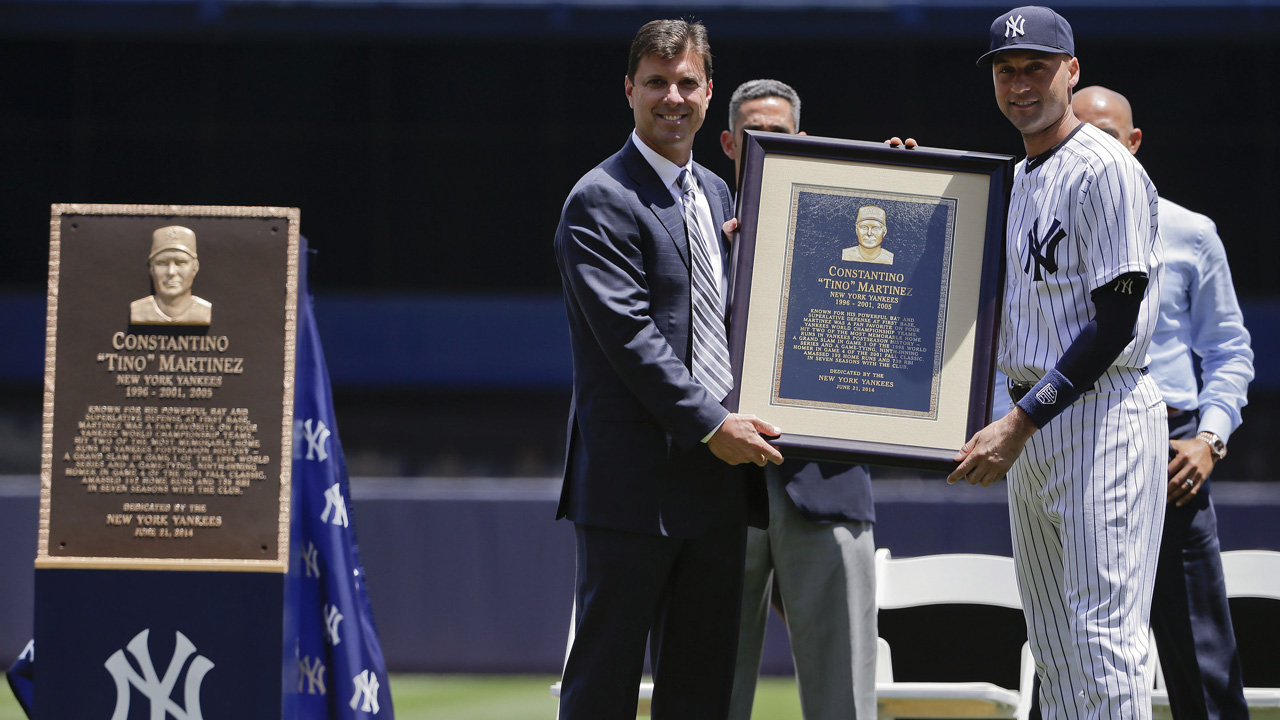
<point>162,584</point>
<point>115,643</point>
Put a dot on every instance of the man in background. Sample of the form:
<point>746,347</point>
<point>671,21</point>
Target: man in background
<point>816,561</point>
<point>1199,318</point>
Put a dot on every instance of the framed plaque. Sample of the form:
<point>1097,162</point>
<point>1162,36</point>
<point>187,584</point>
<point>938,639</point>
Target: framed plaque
<point>866,296</point>
<point>168,412</point>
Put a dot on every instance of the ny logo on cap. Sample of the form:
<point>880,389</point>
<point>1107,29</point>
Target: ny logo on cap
<point>1013,27</point>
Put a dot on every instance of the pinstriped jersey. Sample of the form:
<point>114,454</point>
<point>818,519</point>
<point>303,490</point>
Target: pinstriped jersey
<point>1080,216</point>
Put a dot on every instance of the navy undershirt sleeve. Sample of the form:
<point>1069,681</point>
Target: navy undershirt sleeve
<point>1112,328</point>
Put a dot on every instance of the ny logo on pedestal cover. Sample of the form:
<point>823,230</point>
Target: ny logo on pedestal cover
<point>153,687</point>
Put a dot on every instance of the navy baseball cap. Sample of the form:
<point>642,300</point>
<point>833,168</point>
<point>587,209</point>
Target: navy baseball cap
<point>1030,27</point>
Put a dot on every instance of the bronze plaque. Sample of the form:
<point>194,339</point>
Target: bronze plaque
<point>168,422</point>
<point>866,296</point>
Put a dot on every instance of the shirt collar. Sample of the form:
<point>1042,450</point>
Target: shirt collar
<point>1037,161</point>
<point>668,172</point>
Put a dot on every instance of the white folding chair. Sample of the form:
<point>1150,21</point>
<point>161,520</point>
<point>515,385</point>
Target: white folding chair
<point>939,580</point>
<point>1248,573</point>
<point>646,688</point>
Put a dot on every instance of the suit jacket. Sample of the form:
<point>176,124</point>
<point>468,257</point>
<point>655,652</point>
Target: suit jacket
<point>828,491</point>
<point>635,459</point>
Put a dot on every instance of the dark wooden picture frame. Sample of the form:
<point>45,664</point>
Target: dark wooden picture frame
<point>887,361</point>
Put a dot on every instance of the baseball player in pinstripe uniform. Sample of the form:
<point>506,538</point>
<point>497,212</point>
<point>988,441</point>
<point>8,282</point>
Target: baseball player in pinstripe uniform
<point>1084,445</point>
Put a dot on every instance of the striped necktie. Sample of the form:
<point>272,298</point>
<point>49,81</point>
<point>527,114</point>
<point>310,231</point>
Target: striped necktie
<point>710,348</point>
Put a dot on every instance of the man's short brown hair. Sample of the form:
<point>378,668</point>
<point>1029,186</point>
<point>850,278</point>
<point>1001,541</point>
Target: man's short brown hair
<point>668,39</point>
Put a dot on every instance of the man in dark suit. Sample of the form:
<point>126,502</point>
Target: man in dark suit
<point>816,562</point>
<point>659,510</point>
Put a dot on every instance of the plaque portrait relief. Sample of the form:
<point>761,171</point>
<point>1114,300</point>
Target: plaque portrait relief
<point>871,226</point>
<point>172,264</point>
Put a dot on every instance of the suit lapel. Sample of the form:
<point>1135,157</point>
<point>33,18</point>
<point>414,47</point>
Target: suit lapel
<point>654,194</point>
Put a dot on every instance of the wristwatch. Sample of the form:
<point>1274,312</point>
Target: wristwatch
<point>1216,445</point>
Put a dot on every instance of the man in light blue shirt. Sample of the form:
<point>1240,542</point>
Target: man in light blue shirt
<point>1198,314</point>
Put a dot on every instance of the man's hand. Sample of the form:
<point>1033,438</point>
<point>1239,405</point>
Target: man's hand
<point>896,141</point>
<point>738,441</point>
<point>1188,469</point>
<point>990,453</point>
<point>730,228</point>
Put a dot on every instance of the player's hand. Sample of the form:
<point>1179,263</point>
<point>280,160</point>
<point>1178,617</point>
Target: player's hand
<point>1188,469</point>
<point>990,453</point>
<point>896,141</point>
<point>739,441</point>
<point>730,228</point>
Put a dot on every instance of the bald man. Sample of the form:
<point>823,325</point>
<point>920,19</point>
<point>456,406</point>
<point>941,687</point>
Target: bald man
<point>1199,315</point>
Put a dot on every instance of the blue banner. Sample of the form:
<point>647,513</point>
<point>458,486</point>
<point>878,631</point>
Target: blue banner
<point>22,676</point>
<point>341,671</point>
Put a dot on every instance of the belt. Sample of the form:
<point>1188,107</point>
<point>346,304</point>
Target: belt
<point>1019,389</point>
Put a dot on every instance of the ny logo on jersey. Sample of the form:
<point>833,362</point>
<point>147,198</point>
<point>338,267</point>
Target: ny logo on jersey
<point>311,672</point>
<point>1124,285</point>
<point>157,690</point>
<point>1013,27</point>
<point>336,504</point>
<point>1040,252</point>
<point>315,440</point>
<point>366,685</point>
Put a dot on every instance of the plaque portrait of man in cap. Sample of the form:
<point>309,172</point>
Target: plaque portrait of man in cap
<point>871,227</point>
<point>173,265</point>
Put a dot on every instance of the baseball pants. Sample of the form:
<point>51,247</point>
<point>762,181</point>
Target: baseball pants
<point>1087,501</point>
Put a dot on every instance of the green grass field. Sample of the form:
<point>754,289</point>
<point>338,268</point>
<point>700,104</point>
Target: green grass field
<point>499,697</point>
